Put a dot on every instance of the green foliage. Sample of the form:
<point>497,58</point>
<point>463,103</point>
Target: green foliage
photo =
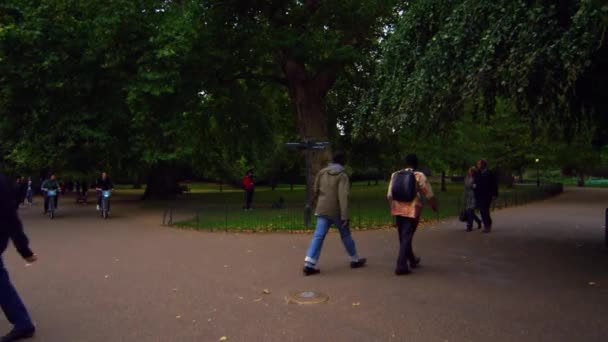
<point>445,56</point>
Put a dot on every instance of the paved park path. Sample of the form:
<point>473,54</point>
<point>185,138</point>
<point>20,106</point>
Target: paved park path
<point>541,276</point>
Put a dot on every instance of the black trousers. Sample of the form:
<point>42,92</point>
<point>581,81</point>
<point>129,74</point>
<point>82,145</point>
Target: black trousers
<point>484,210</point>
<point>248,198</point>
<point>406,227</point>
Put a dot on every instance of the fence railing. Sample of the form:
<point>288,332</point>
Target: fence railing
<point>364,213</point>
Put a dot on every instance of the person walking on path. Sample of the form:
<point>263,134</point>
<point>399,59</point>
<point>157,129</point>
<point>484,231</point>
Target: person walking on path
<point>486,191</point>
<point>12,229</point>
<point>469,199</point>
<point>30,192</point>
<point>406,205</point>
<point>249,187</point>
<point>331,193</point>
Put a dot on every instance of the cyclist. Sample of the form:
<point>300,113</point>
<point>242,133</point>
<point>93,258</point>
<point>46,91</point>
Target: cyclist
<point>103,184</point>
<point>50,184</point>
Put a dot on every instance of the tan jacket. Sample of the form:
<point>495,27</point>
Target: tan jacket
<point>414,208</point>
<point>331,192</point>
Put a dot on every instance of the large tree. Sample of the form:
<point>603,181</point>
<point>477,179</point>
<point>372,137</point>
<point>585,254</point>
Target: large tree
<point>304,46</point>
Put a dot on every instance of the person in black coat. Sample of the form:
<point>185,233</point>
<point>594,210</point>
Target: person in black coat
<point>486,191</point>
<point>12,229</point>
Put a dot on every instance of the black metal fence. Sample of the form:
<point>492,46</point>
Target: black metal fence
<point>365,213</point>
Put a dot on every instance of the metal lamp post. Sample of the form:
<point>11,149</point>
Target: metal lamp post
<point>308,146</point>
<point>537,172</point>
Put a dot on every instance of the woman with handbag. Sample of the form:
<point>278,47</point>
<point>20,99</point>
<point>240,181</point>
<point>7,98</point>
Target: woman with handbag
<point>469,200</point>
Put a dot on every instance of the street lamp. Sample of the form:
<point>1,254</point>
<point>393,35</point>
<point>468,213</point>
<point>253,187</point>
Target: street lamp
<point>308,146</point>
<point>537,172</point>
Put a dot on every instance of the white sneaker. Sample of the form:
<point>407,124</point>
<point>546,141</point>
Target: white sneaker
<point>97,208</point>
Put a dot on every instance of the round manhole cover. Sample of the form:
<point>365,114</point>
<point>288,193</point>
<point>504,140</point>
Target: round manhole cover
<point>307,297</point>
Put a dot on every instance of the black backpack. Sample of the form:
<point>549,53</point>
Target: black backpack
<point>404,186</point>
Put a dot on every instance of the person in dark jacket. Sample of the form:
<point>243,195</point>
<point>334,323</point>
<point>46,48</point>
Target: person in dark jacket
<point>12,229</point>
<point>104,183</point>
<point>486,191</point>
<point>50,184</point>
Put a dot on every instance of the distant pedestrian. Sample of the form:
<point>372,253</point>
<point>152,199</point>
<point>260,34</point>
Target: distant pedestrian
<point>30,191</point>
<point>404,195</point>
<point>486,191</point>
<point>331,193</point>
<point>469,199</point>
<point>249,188</point>
<point>12,229</point>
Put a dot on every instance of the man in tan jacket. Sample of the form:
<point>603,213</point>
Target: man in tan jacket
<point>330,193</point>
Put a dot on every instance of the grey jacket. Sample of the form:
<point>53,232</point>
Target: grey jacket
<point>469,192</point>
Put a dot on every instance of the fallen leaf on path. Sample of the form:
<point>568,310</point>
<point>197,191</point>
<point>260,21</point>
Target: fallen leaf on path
<point>28,265</point>
<point>223,338</point>
<point>209,320</point>
<point>592,283</point>
<point>107,276</point>
<point>241,298</point>
<point>257,300</point>
<point>226,266</point>
<point>174,290</point>
<point>356,304</point>
<point>178,317</point>
<point>193,321</point>
<point>266,291</point>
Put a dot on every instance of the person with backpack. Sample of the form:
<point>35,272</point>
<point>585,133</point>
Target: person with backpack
<point>331,193</point>
<point>486,191</point>
<point>404,195</point>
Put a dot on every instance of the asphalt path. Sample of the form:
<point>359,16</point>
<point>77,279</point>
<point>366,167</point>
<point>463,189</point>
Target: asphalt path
<point>541,275</point>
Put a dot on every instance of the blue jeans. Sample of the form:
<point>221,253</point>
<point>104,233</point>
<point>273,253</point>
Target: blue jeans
<point>11,304</point>
<point>323,225</point>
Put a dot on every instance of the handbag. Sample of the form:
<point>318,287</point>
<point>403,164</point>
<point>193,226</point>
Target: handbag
<point>463,215</point>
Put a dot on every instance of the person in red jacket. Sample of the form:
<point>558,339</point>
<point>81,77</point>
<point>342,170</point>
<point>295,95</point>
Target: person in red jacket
<point>249,187</point>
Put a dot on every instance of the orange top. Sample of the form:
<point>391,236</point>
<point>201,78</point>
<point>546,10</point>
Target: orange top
<point>411,209</point>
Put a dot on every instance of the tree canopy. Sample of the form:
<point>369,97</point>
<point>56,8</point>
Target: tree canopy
<point>157,90</point>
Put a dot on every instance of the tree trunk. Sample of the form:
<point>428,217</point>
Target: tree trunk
<point>308,98</point>
<point>443,188</point>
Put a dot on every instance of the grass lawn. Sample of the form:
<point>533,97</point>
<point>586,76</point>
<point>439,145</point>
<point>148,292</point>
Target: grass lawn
<point>207,208</point>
